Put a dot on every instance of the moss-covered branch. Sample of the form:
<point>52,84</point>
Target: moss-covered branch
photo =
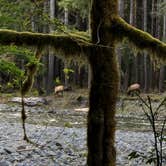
<point>142,40</point>
<point>31,71</point>
<point>67,44</point>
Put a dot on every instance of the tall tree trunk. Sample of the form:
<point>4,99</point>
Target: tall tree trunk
<point>66,22</point>
<point>145,54</point>
<point>119,49</point>
<point>162,69</point>
<point>157,35</point>
<point>45,58</point>
<point>126,74</point>
<point>89,30</point>
<point>66,16</point>
<point>121,8</point>
<point>134,69</point>
<point>51,54</point>
<point>151,68</point>
<point>89,76</point>
<point>101,118</point>
<point>161,78</point>
<point>104,87</point>
<point>138,59</point>
<point>133,7</point>
<point>132,12</point>
<point>164,27</point>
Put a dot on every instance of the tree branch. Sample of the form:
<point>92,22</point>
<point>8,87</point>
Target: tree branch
<point>142,40</point>
<point>66,44</point>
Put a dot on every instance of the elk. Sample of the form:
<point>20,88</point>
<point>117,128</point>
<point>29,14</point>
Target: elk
<point>133,88</point>
<point>59,89</point>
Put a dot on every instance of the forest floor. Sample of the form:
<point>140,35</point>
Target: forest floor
<point>58,124</point>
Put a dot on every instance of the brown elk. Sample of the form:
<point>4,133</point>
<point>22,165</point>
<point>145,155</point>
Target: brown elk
<point>134,88</point>
<point>59,89</point>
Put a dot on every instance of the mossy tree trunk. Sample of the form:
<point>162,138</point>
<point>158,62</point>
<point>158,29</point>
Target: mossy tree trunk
<point>104,86</point>
<point>101,117</point>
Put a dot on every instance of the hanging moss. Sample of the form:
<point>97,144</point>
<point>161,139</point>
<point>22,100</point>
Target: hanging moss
<point>66,44</point>
<point>140,39</point>
<point>31,71</point>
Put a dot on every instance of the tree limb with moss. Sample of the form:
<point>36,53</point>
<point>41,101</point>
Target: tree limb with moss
<point>66,44</point>
<point>140,39</point>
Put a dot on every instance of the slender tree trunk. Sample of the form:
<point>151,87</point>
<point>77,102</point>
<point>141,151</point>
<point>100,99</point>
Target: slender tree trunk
<point>164,27</point>
<point>151,68</point>
<point>145,54</point>
<point>156,34</point>
<point>89,76</point>
<point>158,21</point>
<point>45,58</point>
<point>133,11</point>
<point>161,78</point>
<point>89,67</point>
<point>119,49</point>
<point>66,22</point>
<point>66,16</point>
<point>104,87</point>
<point>51,55</point>
<point>162,69</point>
<point>126,77</point>
<point>121,8</point>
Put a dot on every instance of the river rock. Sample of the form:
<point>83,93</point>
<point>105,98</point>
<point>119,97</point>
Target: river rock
<point>31,101</point>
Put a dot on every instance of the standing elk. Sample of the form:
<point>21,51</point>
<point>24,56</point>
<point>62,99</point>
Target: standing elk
<point>134,88</point>
<point>60,89</point>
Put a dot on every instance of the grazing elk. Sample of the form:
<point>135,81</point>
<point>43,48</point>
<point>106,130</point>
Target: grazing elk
<point>134,88</point>
<point>59,89</point>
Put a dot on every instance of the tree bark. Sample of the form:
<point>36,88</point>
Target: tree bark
<point>164,27</point>
<point>161,78</point>
<point>145,54</point>
<point>66,22</point>
<point>162,69</point>
<point>104,87</point>
<point>121,8</point>
<point>133,11</point>
<point>119,49</point>
<point>89,76</point>
<point>101,117</point>
<point>51,56</point>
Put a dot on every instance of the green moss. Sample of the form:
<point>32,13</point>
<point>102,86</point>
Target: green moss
<point>31,71</point>
<point>68,125</point>
<point>142,40</point>
<point>66,44</point>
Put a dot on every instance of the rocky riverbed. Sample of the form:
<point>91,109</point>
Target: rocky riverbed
<point>61,134</point>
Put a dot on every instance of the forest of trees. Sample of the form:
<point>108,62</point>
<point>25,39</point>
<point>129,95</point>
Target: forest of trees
<point>49,16</point>
<point>105,29</point>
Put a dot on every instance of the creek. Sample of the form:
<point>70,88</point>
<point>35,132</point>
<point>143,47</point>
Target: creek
<point>61,134</point>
